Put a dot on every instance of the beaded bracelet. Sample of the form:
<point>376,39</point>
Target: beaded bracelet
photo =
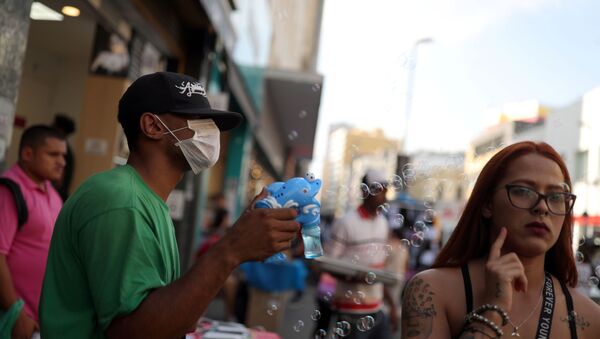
<point>474,316</point>
<point>496,308</point>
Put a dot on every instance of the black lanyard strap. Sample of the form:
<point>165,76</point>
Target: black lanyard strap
<point>571,315</point>
<point>545,322</point>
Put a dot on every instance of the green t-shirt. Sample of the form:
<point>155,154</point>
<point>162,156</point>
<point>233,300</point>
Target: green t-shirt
<point>113,243</point>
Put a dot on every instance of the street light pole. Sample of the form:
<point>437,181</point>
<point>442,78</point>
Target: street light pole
<point>412,66</point>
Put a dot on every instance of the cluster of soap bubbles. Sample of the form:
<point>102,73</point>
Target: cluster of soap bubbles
<point>342,328</point>
<point>375,249</point>
<point>593,281</point>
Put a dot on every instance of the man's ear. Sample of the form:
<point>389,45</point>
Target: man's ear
<point>27,153</point>
<point>151,127</point>
<point>486,210</point>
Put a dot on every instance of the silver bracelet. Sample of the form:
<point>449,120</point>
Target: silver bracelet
<point>496,308</point>
<point>478,317</point>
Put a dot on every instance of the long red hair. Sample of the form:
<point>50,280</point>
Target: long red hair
<point>471,237</point>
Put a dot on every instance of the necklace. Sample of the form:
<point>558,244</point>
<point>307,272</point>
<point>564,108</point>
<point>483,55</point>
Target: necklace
<point>515,332</point>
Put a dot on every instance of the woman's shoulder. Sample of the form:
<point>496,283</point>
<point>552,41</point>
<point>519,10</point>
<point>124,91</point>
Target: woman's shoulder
<point>587,313</point>
<point>435,298</point>
<point>438,280</point>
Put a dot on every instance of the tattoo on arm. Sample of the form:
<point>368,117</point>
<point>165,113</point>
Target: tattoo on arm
<point>498,290</point>
<point>418,310</point>
<point>580,321</point>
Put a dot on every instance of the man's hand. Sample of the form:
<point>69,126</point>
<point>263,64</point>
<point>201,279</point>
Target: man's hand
<point>262,232</point>
<point>24,327</point>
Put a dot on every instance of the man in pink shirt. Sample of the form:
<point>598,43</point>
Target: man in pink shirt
<point>24,249</point>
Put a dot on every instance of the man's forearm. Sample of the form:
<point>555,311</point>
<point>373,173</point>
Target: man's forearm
<point>171,311</point>
<point>8,295</point>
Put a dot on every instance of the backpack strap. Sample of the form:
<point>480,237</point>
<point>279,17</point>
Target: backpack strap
<point>22,212</point>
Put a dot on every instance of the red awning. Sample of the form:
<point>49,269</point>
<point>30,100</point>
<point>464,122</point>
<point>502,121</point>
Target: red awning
<point>590,220</point>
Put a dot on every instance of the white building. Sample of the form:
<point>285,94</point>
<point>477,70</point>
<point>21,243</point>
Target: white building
<point>574,131</point>
<point>350,153</point>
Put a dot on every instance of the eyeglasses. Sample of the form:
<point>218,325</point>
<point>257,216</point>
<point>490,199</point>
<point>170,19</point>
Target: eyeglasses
<point>559,203</point>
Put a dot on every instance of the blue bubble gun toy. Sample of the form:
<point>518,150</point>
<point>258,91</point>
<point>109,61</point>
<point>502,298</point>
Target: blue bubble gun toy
<point>298,193</point>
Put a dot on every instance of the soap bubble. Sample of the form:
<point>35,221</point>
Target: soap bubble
<point>370,278</point>
<point>272,309</point>
<point>388,249</point>
<point>365,323</point>
<point>397,183</point>
<point>302,114</point>
<point>348,294</point>
<point>355,259</point>
<point>597,270</point>
<point>408,170</point>
<point>397,220</point>
<point>409,181</point>
<point>372,249</point>
<point>293,135</point>
<point>428,201</point>
<point>316,87</point>
<point>364,191</point>
<point>383,208</point>
<point>298,325</point>
<point>405,243</point>
<point>328,295</point>
<point>316,315</point>
<point>579,257</point>
<point>581,240</point>
<point>593,281</point>
<point>321,334</point>
<point>417,239</point>
<point>360,295</point>
<point>375,188</point>
<point>429,215</point>
<point>420,227</point>
<point>342,328</point>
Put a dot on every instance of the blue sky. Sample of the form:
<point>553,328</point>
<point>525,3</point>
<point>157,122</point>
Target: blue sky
<point>483,54</point>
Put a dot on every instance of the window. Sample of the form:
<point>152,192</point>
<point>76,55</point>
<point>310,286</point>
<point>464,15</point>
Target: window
<point>581,161</point>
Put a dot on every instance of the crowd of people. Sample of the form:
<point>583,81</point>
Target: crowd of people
<point>106,264</point>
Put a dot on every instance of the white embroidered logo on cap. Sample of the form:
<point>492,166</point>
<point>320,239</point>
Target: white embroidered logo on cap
<point>191,88</point>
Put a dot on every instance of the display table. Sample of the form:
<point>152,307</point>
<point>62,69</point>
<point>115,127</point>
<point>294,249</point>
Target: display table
<point>212,329</point>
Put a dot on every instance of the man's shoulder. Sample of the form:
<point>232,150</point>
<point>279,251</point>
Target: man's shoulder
<point>107,190</point>
<point>114,180</point>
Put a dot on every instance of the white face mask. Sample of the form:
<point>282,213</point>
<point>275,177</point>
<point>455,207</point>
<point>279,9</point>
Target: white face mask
<point>202,150</point>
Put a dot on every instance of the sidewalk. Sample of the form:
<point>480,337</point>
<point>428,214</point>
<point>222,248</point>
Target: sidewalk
<point>294,312</point>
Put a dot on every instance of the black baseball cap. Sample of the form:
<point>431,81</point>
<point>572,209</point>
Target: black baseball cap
<point>168,92</point>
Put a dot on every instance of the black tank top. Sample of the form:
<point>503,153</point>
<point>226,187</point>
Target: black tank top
<point>469,296</point>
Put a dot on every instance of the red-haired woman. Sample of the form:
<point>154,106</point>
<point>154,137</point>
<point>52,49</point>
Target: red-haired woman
<point>508,268</point>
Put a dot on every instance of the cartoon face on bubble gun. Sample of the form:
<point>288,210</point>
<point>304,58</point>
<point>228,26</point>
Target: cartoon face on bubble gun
<point>298,193</point>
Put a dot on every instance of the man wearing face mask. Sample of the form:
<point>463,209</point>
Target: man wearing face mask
<point>113,266</point>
